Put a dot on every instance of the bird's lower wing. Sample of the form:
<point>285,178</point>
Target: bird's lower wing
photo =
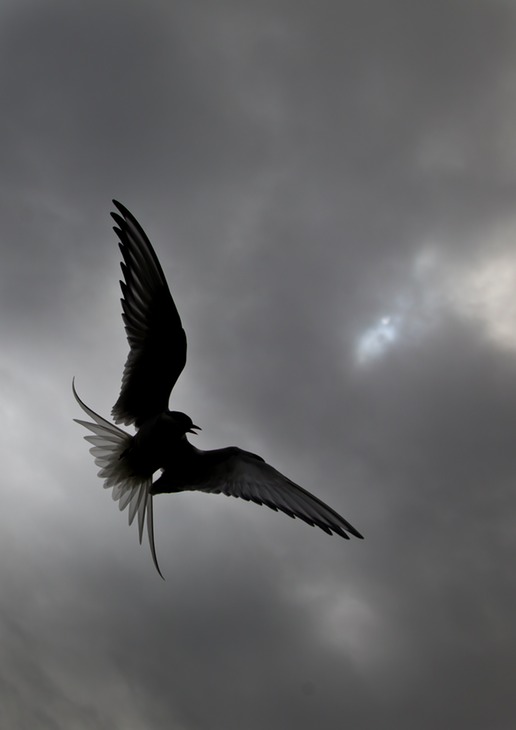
<point>108,445</point>
<point>238,473</point>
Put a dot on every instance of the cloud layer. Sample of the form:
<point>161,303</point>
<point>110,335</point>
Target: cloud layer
<point>330,190</point>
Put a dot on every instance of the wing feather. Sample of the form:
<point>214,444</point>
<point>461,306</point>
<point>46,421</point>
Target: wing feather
<point>238,473</point>
<point>157,341</point>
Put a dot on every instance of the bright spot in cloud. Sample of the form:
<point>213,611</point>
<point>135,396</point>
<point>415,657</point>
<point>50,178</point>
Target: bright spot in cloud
<point>377,339</point>
<point>481,288</point>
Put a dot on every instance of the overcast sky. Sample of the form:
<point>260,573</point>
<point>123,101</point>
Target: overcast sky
<point>331,189</point>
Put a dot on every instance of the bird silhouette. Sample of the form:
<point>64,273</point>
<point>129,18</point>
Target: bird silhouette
<point>157,356</point>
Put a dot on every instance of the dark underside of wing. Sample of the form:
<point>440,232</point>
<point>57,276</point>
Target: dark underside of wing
<point>238,473</point>
<point>154,331</point>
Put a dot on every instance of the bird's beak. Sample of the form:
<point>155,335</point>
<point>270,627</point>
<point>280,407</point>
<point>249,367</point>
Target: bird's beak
<point>191,429</point>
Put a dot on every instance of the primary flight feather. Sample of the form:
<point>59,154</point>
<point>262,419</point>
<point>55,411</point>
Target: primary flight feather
<point>157,356</point>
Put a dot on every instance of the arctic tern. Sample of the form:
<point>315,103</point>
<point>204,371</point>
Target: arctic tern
<point>157,356</point>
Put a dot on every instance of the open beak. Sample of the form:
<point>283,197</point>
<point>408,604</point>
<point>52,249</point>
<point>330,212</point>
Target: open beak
<point>192,429</point>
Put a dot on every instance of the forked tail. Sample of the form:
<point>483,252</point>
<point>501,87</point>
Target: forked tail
<point>108,445</point>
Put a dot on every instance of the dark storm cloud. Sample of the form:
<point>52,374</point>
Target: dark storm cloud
<point>291,163</point>
<point>119,93</point>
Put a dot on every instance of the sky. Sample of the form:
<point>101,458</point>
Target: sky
<point>330,187</point>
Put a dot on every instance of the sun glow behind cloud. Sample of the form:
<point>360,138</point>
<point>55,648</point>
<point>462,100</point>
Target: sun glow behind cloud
<point>481,289</point>
<point>376,340</point>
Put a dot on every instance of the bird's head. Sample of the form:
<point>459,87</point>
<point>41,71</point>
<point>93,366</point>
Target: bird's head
<point>183,422</point>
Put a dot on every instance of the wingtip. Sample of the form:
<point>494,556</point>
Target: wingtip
<point>353,531</point>
<point>121,208</point>
<point>347,532</point>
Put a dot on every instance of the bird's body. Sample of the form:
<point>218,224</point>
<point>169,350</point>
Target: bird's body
<point>159,443</point>
<point>156,358</point>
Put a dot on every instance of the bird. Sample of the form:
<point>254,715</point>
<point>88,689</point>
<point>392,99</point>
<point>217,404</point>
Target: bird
<point>157,355</point>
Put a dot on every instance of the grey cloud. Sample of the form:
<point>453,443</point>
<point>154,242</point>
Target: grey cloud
<point>289,161</point>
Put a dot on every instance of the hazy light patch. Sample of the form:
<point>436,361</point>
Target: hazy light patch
<point>411,313</point>
<point>377,339</point>
<point>486,292</point>
<point>363,633</point>
<point>348,621</point>
<point>481,288</point>
<point>30,448</point>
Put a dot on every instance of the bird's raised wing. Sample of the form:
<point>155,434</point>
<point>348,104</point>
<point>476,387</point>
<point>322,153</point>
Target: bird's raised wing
<point>238,473</point>
<point>108,445</point>
<point>154,331</point>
